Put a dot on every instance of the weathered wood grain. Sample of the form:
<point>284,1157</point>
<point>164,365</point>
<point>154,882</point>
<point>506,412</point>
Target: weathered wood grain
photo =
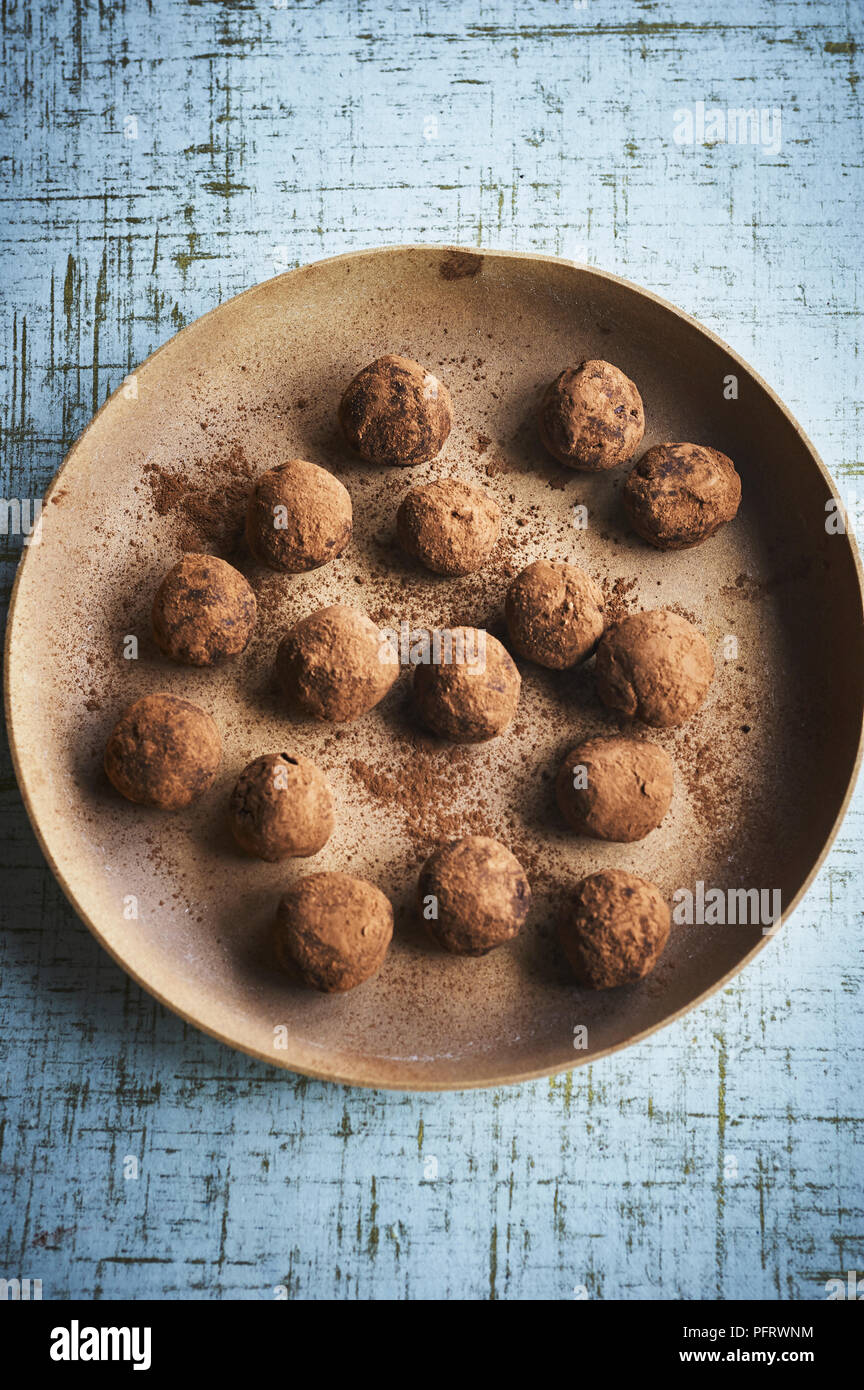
<point>159,157</point>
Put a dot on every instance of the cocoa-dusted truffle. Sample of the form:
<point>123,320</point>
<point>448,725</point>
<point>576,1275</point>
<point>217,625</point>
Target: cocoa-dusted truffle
<point>281,807</point>
<point>299,516</point>
<point>680,494</point>
<point>615,929</point>
<point>554,614</point>
<point>615,788</point>
<point>163,751</point>
<point>473,895</point>
<point>333,931</point>
<point>449,526</point>
<point>203,611</point>
<point>654,666</point>
<point>591,417</point>
<point>395,412</point>
<point>335,665</point>
<point>472,696</point>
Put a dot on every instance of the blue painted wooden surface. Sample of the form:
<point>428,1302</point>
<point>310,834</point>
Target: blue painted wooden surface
<point>159,157</point>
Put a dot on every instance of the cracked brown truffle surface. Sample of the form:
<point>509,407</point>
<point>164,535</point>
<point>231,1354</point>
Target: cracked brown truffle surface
<point>299,517</point>
<point>449,526</point>
<point>554,614</point>
<point>615,929</point>
<point>203,612</point>
<point>680,494</point>
<point>333,931</point>
<point>654,666</point>
<point>331,664</point>
<point>281,807</point>
<point>468,701</point>
<point>474,895</point>
<point>396,412</point>
<point>591,417</point>
<point>163,751</point>
<point>615,788</point>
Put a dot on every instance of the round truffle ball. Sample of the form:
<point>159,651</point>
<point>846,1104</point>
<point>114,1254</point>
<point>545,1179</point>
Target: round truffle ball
<point>554,614</point>
<point>163,751</point>
<point>449,526</point>
<point>680,494</point>
<point>615,788</point>
<point>203,611</point>
<point>473,895</point>
<point>299,517</point>
<point>335,664</point>
<point>333,931</point>
<point>471,693</point>
<point>591,417</point>
<point>395,412</point>
<point>615,929</point>
<point>654,666</point>
<point>281,807</point>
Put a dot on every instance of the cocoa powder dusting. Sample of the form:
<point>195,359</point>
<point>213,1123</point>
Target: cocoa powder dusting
<point>211,513</point>
<point>616,594</point>
<point>421,788</point>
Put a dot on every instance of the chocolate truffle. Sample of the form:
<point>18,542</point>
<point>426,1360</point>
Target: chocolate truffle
<point>472,696</point>
<point>554,614</point>
<point>680,494</point>
<point>281,807</point>
<point>591,417</point>
<point>299,517</point>
<point>335,665</point>
<point>203,611</point>
<point>333,931</point>
<point>395,412</point>
<point>615,788</point>
<point>654,666</point>
<point>615,929</point>
<point>163,751</point>
<point>473,895</point>
<point>449,526</point>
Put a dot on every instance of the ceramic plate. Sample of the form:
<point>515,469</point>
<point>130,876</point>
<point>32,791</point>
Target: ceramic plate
<point>763,771</point>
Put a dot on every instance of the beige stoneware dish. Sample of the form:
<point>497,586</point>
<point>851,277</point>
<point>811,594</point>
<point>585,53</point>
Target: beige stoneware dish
<point>763,772</point>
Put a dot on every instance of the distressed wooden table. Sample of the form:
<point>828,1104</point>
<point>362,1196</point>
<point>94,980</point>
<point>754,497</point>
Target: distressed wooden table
<point>159,157</point>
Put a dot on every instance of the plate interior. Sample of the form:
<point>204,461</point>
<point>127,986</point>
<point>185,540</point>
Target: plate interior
<point>761,771</point>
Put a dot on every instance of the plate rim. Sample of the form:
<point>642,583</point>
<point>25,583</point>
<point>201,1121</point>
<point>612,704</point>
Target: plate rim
<point>364,1076</point>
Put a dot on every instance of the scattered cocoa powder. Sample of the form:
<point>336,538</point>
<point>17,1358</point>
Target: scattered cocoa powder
<point>616,594</point>
<point>421,787</point>
<point>211,513</point>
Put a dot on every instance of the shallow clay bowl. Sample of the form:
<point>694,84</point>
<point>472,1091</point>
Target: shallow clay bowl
<point>763,771</point>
